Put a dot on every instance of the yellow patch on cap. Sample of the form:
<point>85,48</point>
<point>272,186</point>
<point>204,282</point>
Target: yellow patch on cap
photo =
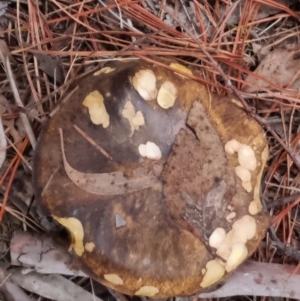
<point>114,279</point>
<point>75,228</point>
<point>148,291</point>
<point>95,104</point>
<point>89,246</point>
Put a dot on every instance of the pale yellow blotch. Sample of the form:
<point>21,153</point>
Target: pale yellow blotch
<point>104,70</point>
<point>231,146</point>
<point>224,249</point>
<point>136,119</point>
<point>89,246</point>
<point>167,95</point>
<point>243,173</point>
<point>144,81</point>
<point>217,237</point>
<point>244,229</point>
<point>230,208</point>
<point>203,271</point>
<point>255,206</point>
<point>76,230</point>
<point>148,291</point>
<point>230,217</point>
<point>246,157</point>
<point>214,272</point>
<point>95,104</point>
<point>247,186</point>
<point>182,69</point>
<point>114,279</point>
<point>150,150</point>
<point>237,255</point>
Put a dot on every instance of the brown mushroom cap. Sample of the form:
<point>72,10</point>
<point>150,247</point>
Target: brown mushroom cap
<point>141,213</point>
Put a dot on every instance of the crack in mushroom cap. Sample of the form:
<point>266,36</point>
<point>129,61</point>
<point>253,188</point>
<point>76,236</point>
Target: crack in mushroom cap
<point>151,240</point>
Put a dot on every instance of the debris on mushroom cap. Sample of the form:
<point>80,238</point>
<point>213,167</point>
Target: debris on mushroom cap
<point>76,230</point>
<point>95,104</point>
<point>232,146</point>
<point>104,70</point>
<point>148,291</point>
<point>144,81</point>
<point>89,246</point>
<point>167,95</point>
<point>246,157</point>
<point>237,255</point>
<point>113,278</point>
<point>181,68</point>
<point>217,238</point>
<point>120,221</point>
<point>150,150</point>
<point>136,119</point>
<point>243,173</point>
<point>244,229</point>
<point>214,272</point>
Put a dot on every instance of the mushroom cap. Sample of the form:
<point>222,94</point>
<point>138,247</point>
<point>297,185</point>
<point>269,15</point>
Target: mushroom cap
<point>140,224</point>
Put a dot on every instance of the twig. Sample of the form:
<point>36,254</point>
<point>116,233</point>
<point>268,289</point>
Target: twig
<point>10,76</point>
<point>5,198</point>
<point>91,141</point>
<point>283,201</point>
<point>286,250</point>
<point>19,153</point>
<point>279,140</point>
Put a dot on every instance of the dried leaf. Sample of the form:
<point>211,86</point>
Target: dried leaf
<point>106,183</point>
<point>278,67</point>
<point>54,287</point>
<point>260,279</point>
<point>41,253</point>
<point>264,10</point>
<point>10,290</point>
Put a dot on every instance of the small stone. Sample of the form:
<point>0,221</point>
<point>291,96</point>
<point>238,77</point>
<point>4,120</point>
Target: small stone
<point>120,222</point>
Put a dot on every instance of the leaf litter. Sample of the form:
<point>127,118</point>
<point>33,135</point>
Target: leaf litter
<point>279,68</point>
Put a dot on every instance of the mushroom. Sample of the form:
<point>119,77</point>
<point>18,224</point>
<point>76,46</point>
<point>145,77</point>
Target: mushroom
<point>138,185</point>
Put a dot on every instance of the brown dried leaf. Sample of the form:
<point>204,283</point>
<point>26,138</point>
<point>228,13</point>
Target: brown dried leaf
<point>278,67</point>
<point>113,183</point>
